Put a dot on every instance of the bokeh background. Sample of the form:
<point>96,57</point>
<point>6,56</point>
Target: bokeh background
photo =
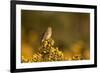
<point>71,31</point>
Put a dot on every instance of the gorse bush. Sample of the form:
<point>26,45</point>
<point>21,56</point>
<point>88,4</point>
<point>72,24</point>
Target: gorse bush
<point>46,52</point>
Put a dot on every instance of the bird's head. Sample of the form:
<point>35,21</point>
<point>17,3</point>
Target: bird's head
<point>49,29</point>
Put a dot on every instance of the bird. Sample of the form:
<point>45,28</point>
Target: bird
<point>47,34</point>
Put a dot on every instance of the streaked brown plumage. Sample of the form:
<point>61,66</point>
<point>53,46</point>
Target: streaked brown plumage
<point>47,34</point>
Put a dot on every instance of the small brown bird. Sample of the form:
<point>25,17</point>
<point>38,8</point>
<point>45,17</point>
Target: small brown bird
<point>47,34</point>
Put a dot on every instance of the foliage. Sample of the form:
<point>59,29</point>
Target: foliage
<point>46,52</point>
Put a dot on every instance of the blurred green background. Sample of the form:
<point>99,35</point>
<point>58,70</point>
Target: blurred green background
<point>67,27</point>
